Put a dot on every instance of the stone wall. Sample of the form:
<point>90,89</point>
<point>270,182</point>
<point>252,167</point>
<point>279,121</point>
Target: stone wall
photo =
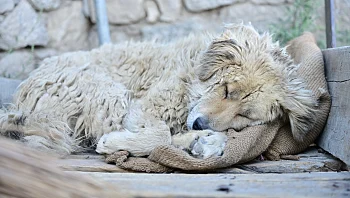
<point>31,30</point>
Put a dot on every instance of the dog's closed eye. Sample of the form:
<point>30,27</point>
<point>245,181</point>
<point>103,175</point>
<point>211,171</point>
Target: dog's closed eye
<point>226,93</point>
<point>229,92</point>
<point>246,114</point>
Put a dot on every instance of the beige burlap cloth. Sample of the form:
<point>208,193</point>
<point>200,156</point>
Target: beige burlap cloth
<point>275,139</point>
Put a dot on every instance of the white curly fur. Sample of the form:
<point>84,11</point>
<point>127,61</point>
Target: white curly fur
<point>141,91</point>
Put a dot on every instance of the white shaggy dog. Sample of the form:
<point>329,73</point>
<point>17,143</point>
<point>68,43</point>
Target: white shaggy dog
<point>137,96</point>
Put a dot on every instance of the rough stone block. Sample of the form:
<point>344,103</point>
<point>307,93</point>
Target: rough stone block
<point>45,5</point>
<point>152,11</point>
<point>119,12</point>
<point>170,9</point>
<point>68,28</point>
<point>8,88</point>
<point>119,34</point>
<point>200,5</point>
<point>22,27</point>
<point>6,5</point>
<point>125,12</point>
<point>17,64</point>
<point>170,32</point>
<point>270,2</point>
<point>261,17</point>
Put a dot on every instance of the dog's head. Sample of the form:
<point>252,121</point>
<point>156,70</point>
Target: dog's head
<point>244,79</point>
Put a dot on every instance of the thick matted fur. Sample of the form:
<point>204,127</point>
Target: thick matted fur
<point>149,94</point>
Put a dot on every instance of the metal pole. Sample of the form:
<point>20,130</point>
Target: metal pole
<point>330,24</point>
<point>102,22</point>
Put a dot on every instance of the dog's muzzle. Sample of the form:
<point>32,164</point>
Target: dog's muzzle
<point>200,124</point>
<point>196,120</point>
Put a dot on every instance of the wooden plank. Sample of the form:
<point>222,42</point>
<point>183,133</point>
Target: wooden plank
<point>85,156</point>
<point>7,89</point>
<point>310,161</point>
<point>88,165</point>
<point>229,185</point>
<point>336,136</point>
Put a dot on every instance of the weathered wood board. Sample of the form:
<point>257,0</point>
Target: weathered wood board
<point>228,185</point>
<point>336,136</point>
<point>310,161</point>
<point>88,165</point>
<point>7,89</point>
<point>28,173</point>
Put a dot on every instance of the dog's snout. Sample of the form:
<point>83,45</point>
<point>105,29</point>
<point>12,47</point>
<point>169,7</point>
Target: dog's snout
<point>200,124</point>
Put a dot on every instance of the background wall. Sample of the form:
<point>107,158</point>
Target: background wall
<point>31,30</point>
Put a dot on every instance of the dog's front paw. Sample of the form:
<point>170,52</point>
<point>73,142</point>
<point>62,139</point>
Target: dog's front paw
<point>208,146</point>
<point>106,144</point>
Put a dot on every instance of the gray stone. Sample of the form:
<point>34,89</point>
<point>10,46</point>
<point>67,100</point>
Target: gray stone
<point>152,11</point>
<point>269,2</point>
<point>86,8</point>
<point>68,28</point>
<point>170,9</point>
<point>125,12</point>
<point>17,64</point>
<point>89,10</point>
<point>8,88</point>
<point>22,27</point>
<point>336,136</point>
<point>200,5</point>
<point>2,17</point>
<point>6,5</point>
<point>45,5</point>
<point>261,17</point>
<point>41,54</point>
<point>16,1</point>
<point>170,32</point>
<point>119,34</point>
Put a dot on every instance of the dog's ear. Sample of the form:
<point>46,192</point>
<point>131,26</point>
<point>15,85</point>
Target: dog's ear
<point>220,53</point>
<point>300,107</point>
<point>206,70</point>
<point>209,64</point>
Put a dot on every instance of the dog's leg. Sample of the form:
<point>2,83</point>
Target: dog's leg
<point>187,140</point>
<point>201,144</point>
<point>141,134</point>
<point>137,144</point>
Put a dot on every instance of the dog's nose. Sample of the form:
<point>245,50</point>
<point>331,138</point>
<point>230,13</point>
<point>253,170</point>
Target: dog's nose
<point>200,124</point>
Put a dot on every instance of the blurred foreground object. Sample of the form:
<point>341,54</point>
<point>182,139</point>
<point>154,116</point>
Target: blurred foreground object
<point>29,173</point>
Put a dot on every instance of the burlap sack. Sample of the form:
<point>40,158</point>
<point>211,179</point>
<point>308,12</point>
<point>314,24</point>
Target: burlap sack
<point>306,53</point>
<point>275,139</point>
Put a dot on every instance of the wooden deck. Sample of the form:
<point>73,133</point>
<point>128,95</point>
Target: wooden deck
<point>316,174</point>
<point>330,184</point>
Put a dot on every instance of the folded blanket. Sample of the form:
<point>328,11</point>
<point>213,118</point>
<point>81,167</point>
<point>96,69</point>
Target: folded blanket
<point>274,139</point>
